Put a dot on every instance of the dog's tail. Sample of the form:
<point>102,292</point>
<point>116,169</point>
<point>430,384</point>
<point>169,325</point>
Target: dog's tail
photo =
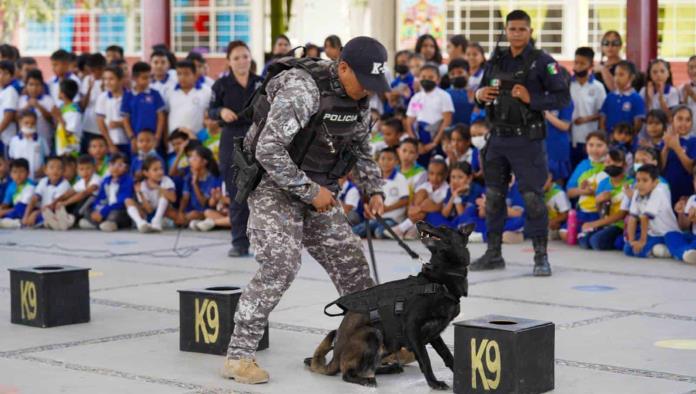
<point>317,363</point>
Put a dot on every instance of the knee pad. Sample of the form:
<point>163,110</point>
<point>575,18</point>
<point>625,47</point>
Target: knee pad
<point>534,205</point>
<point>495,201</point>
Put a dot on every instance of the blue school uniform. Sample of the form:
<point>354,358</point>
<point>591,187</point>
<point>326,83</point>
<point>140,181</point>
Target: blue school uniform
<point>124,192</point>
<point>17,197</point>
<point>206,186</point>
<point>454,220</point>
<point>4,184</point>
<point>513,199</point>
<point>141,108</point>
<point>622,107</point>
<point>677,176</point>
<point>558,145</point>
<point>462,107</point>
<point>137,161</point>
<point>407,80</point>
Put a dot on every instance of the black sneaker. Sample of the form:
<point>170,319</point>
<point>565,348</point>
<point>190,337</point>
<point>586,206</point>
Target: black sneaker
<point>237,252</point>
<point>491,260</point>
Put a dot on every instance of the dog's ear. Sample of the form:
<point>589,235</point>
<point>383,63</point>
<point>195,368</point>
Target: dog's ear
<point>467,229</point>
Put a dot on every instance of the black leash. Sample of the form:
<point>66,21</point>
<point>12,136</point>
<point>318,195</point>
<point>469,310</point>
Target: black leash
<point>371,249</point>
<point>401,243</point>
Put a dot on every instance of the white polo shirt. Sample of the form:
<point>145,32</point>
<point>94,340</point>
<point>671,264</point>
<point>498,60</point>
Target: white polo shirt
<point>349,195</point>
<point>691,204</point>
<point>44,128</point>
<point>690,103</point>
<point>658,208</point>
<point>34,150</point>
<point>152,195</point>
<point>81,185</point>
<point>438,195</point>
<point>587,101</point>
<point>428,107</point>
<point>109,107</point>
<point>89,116</point>
<point>49,192</point>
<point>166,84</point>
<point>395,188</point>
<point>186,109</point>
<point>671,97</point>
<point>9,100</point>
<point>54,87</point>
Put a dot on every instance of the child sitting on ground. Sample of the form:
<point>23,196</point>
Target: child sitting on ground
<point>584,180</point>
<point>17,195</point>
<point>199,184</point>
<point>606,233</point>
<point>396,196</point>
<point>53,188</point>
<point>651,217</point>
<point>622,139</point>
<point>678,153</point>
<point>392,130</point>
<point>682,245</point>
<point>428,198</point>
<point>514,222</point>
<point>86,190</point>
<point>98,149</point>
<point>414,173</point>
<point>154,196</point>
<point>145,144</point>
<point>349,197</point>
<point>460,199</point>
<point>218,216</point>
<point>27,144</point>
<point>109,209</point>
<point>558,206</point>
<point>459,148</point>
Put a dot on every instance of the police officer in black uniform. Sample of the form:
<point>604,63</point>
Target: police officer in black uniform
<point>518,85</point>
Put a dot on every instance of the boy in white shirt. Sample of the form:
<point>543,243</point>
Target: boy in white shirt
<point>349,197</point>
<point>35,99</point>
<point>429,113</point>
<point>85,192</point>
<point>28,145</point>
<point>162,79</point>
<point>187,102</point>
<point>60,63</point>
<point>51,189</point>
<point>588,95</point>
<point>17,195</point>
<point>9,98</point>
<point>651,216</point>
<point>91,88</point>
<point>108,110</point>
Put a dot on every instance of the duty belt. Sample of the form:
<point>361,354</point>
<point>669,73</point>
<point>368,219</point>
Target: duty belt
<point>506,131</point>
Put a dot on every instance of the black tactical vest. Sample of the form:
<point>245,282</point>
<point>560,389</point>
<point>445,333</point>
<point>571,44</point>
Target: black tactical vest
<point>323,148</point>
<point>507,111</point>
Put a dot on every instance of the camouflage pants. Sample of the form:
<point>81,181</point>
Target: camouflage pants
<point>279,226</point>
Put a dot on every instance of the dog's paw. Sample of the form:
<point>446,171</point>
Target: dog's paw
<point>308,361</point>
<point>438,385</point>
<point>370,382</point>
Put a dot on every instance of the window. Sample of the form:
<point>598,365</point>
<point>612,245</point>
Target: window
<point>483,20</point>
<point>605,15</point>
<point>76,28</point>
<point>209,25</point>
<point>676,29</point>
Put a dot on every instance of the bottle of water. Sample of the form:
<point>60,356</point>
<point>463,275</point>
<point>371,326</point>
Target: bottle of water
<point>572,225</point>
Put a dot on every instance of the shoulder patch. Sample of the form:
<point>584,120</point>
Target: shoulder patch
<point>552,68</point>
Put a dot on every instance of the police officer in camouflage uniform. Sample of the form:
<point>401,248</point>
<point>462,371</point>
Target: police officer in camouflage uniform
<point>296,205</point>
<point>518,84</point>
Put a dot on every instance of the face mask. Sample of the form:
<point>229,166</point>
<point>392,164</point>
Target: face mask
<point>636,166</point>
<point>28,130</point>
<point>459,82</point>
<point>427,85</point>
<point>581,74</point>
<point>613,171</point>
<point>401,69</point>
<point>479,141</point>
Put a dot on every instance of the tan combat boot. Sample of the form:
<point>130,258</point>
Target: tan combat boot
<point>244,371</point>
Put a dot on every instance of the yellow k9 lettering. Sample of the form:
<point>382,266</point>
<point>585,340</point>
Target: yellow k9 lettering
<point>207,321</point>
<point>27,291</point>
<point>491,351</point>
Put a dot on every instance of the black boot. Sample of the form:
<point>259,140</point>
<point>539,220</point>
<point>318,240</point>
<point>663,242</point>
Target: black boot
<point>541,257</point>
<point>493,258</point>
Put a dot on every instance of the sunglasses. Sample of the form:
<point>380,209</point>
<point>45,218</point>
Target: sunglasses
<point>613,43</point>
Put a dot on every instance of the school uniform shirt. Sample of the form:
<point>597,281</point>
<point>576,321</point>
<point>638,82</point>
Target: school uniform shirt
<point>141,108</point>
<point>44,127</point>
<point>622,107</point>
<point>400,83</point>
<point>9,100</point>
<point>18,194</point>
<point>211,142</point>
<point>658,208</point>
<point>689,102</point>
<point>54,87</point>
<point>395,188</point>
<point>49,192</point>
<point>558,143</point>
<point>474,81</point>
<point>206,187</point>
<point>428,107</point>
<point>471,156</point>
<point>89,116</point>
<point>205,81</point>
<point>33,149</point>
<point>617,195</point>
<point>462,106</point>
<point>437,195</point>
<point>162,86</point>
<point>152,195</point>
<point>415,176</point>
<point>349,195</point>
<point>691,204</point>
<point>591,172</point>
<point>72,118</point>
<point>137,160</point>
<point>677,176</point>
<point>82,184</point>
<point>587,100</point>
<point>662,187</point>
<point>468,199</point>
<point>671,97</point>
<point>556,200</point>
<point>186,109</point>
<point>113,194</point>
<point>109,107</point>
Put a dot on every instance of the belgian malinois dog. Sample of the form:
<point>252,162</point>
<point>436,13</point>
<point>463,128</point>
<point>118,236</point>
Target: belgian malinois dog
<point>408,313</point>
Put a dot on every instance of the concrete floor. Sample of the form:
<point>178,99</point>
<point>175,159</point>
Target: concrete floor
<point>609,312</point>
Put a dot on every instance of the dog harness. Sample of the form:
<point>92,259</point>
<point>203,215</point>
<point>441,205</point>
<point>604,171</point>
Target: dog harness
<point>385,304</point>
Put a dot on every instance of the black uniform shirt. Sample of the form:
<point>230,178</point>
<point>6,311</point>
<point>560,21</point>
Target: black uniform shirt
<point>228,93</point>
